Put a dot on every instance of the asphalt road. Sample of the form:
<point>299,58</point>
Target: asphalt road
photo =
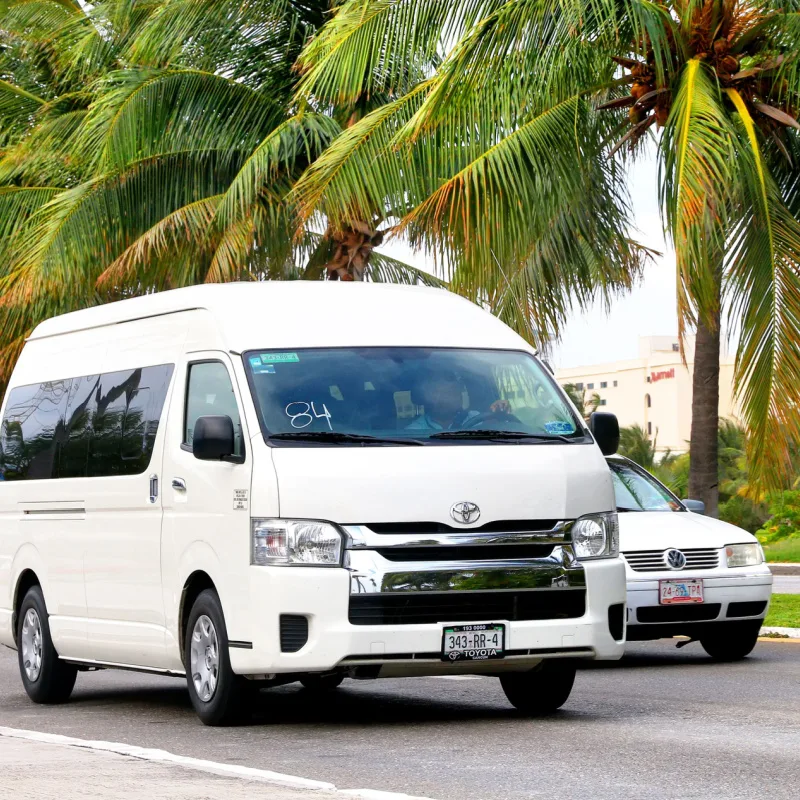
<point>663,723</point>
<point>786,584</point>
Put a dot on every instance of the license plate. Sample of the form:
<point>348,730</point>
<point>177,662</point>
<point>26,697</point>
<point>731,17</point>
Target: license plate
<point>680,592</point>
<point>477,642</point>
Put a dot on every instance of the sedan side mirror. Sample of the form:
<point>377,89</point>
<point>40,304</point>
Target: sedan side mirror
<point>605,429</point>
<point>697,506</point>
<point>213,438</point>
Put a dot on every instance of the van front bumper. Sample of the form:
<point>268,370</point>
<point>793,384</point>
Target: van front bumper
<point>322,597</point>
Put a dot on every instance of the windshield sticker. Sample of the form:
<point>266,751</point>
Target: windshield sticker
<point>255,361</point>
<point>279,358</point>
<point>264,369</point>
<point>559,427</point>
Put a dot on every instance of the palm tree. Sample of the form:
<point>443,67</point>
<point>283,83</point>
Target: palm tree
<point>586,405</point>
<point>545,104</point>
<point>149,144</point>
<point>635,444</point>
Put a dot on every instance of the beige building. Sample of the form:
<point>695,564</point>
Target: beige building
<point>653,391</point>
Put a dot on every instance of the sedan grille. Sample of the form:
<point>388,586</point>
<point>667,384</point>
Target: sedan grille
<point>655,561</point>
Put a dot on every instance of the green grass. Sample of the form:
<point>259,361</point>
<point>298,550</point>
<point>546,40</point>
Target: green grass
<point>785,550</point>
<point>784,611</point>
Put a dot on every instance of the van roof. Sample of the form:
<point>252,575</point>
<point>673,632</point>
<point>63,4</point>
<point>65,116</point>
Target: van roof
<point>310,313</point>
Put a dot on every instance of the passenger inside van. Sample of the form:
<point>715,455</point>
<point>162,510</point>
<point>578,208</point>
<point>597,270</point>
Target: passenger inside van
<point>442,397</point>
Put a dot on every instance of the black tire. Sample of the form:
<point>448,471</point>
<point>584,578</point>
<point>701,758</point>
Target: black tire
<point>322,683</point>
<point>732,642</point>
<point>53,680</point>
<point>228,701</point>
<point>542,690</point>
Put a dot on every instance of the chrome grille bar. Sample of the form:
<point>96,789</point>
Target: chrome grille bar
<point>654,560</point>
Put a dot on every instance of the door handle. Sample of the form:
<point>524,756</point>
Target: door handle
<point>179,484</point>
<point>153,488</point>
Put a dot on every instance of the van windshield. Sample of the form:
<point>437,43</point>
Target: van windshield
<point>407,395</point>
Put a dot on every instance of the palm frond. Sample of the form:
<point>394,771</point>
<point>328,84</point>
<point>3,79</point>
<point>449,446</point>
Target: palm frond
<point>696,175</point>
<point>272,167</point>
<point>374,47</point>
<point>143,113</point>
<point>764,284</point>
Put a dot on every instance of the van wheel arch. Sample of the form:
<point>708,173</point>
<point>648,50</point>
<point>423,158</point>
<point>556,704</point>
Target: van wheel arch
<point>196,583</point>
<point>27,579</point>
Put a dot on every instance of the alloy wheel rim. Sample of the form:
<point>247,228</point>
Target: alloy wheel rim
<point>31,643</point>
<point>204,658</point>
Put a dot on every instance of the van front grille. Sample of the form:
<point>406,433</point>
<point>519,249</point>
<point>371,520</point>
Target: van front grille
<point>421,608</point>
<point>477,552</point>
<point>655,560</point>
<point>498,526</point>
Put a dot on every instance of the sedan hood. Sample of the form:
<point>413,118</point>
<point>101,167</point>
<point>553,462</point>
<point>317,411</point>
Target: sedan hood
<point>661,530</point>
<point>357,485</point>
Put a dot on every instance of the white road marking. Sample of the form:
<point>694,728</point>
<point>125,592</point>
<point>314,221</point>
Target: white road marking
<point>202,765</point>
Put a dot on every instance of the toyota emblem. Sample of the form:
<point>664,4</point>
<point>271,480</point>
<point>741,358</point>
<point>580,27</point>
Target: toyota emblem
<point>675,559</point>
<point>465,513</point>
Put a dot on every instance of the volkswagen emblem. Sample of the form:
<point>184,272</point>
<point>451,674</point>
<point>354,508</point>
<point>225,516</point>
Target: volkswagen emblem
<point>465,513</point>
<point>675,559</point>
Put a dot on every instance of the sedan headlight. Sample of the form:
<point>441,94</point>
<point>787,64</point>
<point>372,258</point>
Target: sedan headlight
<point>596,536</point>
<point>295,542</point>
<point>744,555</point>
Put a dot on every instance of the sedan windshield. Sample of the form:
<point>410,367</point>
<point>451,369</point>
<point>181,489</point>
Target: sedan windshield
<point>636,490</point>
<point>390,395</point>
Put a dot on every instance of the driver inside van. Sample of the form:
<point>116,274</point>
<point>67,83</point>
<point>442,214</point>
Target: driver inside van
<point>443,400</point>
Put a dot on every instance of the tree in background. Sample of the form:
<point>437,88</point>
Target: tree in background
<point>720,78</point>
<point>151,144</point>
<point>586,405</point>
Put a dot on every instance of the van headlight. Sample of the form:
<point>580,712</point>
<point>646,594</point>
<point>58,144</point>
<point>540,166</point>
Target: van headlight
<point>295,542</point>
<point>744,555</point>
<point>596,536</point>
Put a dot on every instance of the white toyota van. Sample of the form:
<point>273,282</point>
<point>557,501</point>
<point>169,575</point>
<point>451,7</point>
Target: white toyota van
<point>254,484</point>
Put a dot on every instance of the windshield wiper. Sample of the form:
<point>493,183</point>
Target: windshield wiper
<point>620,509</point>
<point>336,437</point>
<point>483,434</point>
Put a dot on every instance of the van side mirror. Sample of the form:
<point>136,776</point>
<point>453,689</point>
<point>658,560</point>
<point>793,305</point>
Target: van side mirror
<point>605,429</point>
<point>697,506</point>
<point>213,438</point>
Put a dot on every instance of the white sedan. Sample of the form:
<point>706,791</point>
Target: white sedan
<point>687,574</point>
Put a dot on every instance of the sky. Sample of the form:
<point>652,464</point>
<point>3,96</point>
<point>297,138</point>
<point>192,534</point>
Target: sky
<point>649,309</point>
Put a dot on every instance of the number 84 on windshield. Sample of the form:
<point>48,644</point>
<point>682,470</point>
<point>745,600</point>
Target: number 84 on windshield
<point>302,414</point>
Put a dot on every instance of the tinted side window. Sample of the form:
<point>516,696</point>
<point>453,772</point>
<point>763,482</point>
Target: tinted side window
<point>125,420</point>
<point>210,392</point>
<point>73,460</point>
<point>33,429</point>
<point>141,419</point>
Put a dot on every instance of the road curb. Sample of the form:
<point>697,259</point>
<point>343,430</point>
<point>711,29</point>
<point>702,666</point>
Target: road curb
<point>793,634</point>
<point>784,569</point>
<point>321,788</point>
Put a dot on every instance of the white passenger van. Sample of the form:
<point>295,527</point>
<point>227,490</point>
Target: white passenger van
<point>254,484</point>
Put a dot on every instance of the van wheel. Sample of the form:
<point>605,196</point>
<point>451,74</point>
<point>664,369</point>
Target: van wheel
<point>218,695</point>
<point>733,642</point>
<point>45,677</point>
<point>542,690</point>
<point>322,683</point>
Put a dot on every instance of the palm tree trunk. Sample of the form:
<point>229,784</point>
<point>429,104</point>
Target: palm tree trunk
<point>703,466</point>
<point>351,253</point>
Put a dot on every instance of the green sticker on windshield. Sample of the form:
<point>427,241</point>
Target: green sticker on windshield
<point>278,358</point>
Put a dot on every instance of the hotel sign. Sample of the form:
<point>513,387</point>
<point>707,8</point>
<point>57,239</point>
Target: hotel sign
<point>655,377</point>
